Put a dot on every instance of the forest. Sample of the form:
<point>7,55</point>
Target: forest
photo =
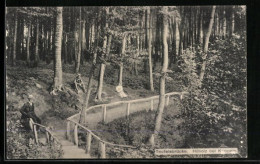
<point>149,77</point>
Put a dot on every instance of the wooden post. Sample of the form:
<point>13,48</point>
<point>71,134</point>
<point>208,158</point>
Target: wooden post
<point>104,113</point>
<point>47,136</point>
<point>68,130</point>
<point>76,135</point>
<point>151,104</point>
<point>85,116</point>
<point>128,110</point>
<point>167,100</point>
<point>31,124</point>
<point>88,146</point>
<point>102,150</point>
<point>35,134</point>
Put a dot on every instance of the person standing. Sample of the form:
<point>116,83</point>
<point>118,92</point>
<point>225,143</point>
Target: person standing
<point>28,112</point>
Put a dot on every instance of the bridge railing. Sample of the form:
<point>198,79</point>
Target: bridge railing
<point>50,138</point>
<point>72,130</point>
<point>107,114</point>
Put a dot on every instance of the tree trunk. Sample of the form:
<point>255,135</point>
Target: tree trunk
<point>37,42</point>
<point>22,37</point>
<point>177,39</point>
<point>53,35</point>
<point>82,118</point>
<point>161,105</point>
<point>201,28</point>
<point>28,44</point>
<point>224,24</point>
<point>206,43</point>
<point>15,39</point>
<point>65,48</point>
<point>102,66</point>
<point>150,48</point>
<point>79,42</point>
<point>92,40</point>
<point>83,44</point>
<point>217,24</point>
<point>157,42</point>
<point>58,45</point>
<point>120,79</point>
<point>232,21</point>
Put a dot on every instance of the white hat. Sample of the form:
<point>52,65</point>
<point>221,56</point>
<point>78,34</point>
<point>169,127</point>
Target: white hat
<point>119,88</point>
<point>30,96</point>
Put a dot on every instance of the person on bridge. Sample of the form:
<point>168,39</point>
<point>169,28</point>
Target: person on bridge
<point>27,112</point>
<point>79,83</point>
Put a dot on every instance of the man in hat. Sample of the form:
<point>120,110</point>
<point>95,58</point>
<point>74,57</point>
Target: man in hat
<point>27,112</point>
<point>79,83</point>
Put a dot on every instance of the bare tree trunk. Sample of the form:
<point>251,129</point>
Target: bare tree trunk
<point>92,34</point>
<point>161,105</point>
<point>15,39</point>
<point>217,24</point>
<point>150,48</point>
<point>157,42</point>
<point>181,34</point>
<point>177,38</point>
<point>37,42</point>
<point>102,66</point>
<point>82,118</point>
<point>224,24</point>
<point>28,44</point>
<point>84,44</point>
<point>120,79</point>
<point>58,44</point>
<point>65,48</point>
<point>206,43</point>
<point>232,21</point>
<point>22,37</point>
<point>201,28</point>
<point>79,41</point>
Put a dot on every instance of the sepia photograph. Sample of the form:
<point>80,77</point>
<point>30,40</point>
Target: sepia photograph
<point>125,82</point>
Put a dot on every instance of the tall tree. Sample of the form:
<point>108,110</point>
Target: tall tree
<point>91,74</point>
<point>150,48</point>
<point>177,37</point>
<point>201,27</point>
<point>161,105</point>
<point>121,65</point>
<point>15,39</point>
<point>232,21</point>
<point>28,43</point>
<point>37,42</point>
<point>224,24</point>
<point>206,43</point>
<point>57,82</point>
<point>79,44</point>
<point>102,65</point>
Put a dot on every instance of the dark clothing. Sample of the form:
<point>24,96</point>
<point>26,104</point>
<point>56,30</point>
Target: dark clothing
<point>78,83</point>
<point>27,112</point>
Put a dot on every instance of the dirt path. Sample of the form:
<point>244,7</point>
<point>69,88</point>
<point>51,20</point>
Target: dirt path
<point>118,111</point>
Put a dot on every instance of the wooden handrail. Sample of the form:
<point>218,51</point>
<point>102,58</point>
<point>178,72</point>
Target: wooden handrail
<point>98,138</point>
<point>133,101</point>
<point>129,101</point>
<point>46,129</point>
